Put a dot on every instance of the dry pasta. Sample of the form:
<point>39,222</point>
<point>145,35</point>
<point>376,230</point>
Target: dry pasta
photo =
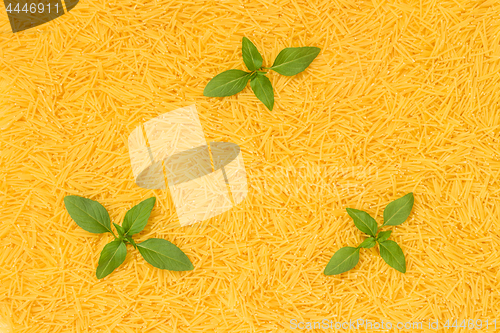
<point>403,97</point>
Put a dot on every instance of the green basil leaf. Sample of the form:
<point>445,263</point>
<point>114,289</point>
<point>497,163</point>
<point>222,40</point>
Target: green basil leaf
<point>137,217</point>
<point>131,241</point>
<point>393,255</point>
<point>263,89</point>
<point>363,221</point>
<point>120,229</point>
<point>251,56</point>
<point>398,211</point>
<point>112,256</point>
<point>164,255</point>
<point>227,83</point>
<point>293,60</point>
<point>368,243</point>
<point>343,260</point>
<point>90,215</point>
<point>384,235</point>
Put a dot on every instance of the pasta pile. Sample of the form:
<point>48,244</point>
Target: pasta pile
<point>404,97</point>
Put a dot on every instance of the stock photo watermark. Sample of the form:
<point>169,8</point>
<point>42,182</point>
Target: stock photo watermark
<point>364,324</point>
<point>312,179</point>
<point>204,180</point>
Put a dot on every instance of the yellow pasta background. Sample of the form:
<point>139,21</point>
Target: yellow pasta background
<point>402,98</point>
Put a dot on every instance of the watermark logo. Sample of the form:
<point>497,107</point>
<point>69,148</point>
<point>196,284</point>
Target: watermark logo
<point>26,14</point>
<point>204,180</point>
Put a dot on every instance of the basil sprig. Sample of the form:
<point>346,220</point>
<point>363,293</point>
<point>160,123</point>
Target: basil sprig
<point>395,213</point>
<point>290,61</point>
<point>93,217</point>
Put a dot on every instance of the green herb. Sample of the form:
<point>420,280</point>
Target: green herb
<point>363,221</point>
<point>393,255</point>
<point>293,60</point>
<point>93,217</point>
<point>227,83</point>
<point>343,260</point>
<point>263,89</point>
<point>137,217</point>
<point>395,213</point>
<point>112,256</point>
<point>398,211</point>
<point>368,243</point>
<point>290,61</point>
<point>162,254</point>
<point>131,241</point>
<point>119,228</point>
<point>384,235</point>
<point>90,215</point>
<point>251,56</point>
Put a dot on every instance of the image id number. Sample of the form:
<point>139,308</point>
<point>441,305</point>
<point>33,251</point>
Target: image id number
<point>33,8</point>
